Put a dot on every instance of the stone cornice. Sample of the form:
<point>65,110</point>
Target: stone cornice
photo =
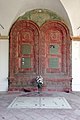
<point>75,38</point>
<point>3,37</point>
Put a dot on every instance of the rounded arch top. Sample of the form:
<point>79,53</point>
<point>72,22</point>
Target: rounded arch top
<point>58,25</point>
<point>22,24</point>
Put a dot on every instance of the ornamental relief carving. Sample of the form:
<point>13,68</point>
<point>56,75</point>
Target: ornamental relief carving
<point>26,36</point>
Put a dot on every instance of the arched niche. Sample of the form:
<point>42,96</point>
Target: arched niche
<point>40,45</point>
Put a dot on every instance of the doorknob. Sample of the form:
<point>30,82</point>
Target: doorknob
<point>22,63</point>
<point>22,59</point>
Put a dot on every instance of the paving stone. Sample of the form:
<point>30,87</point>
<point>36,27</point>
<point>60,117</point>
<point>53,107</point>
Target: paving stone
<point>40,114</point>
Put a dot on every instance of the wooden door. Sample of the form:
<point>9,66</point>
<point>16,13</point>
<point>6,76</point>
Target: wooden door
<point>24,55</point>
<point>41,51</point>
<point>55,63</point>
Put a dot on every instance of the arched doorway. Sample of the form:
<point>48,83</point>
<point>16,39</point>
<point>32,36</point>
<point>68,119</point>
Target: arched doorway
<point>42,49</point>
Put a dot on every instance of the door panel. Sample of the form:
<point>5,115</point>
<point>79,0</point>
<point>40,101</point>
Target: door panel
<point>53,43</point>
<point>26,58</point>
<point>27,50</point>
